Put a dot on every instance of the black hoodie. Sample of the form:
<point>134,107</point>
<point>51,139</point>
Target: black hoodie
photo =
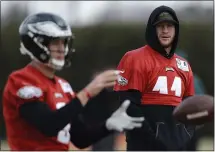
<point>151,36</point>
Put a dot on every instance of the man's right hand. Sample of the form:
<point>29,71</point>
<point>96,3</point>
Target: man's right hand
<point>103,80</point>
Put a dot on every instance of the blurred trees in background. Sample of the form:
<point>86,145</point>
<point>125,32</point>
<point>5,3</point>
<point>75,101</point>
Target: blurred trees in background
<point>102,46</point>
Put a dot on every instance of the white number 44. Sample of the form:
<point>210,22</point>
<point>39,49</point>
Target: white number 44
<point>161,85</point>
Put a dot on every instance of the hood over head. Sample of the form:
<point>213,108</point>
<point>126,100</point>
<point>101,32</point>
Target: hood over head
<point>161,13</point>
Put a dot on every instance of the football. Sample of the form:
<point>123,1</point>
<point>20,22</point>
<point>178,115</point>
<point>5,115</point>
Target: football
<point>195,110</point>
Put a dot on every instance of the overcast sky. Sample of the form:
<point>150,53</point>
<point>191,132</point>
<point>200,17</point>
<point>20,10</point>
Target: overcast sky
<point>88,11</point>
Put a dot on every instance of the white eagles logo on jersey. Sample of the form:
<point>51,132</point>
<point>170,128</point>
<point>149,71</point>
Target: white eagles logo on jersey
<point>28,92</point>
<point>122,81</point>
<point>183,65</point>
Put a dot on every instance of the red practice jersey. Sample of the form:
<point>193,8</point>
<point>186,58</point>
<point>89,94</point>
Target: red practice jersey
<point>161,81</point>
<point>27,85</point>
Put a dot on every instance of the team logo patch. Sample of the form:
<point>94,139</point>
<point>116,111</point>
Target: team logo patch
<point>122,81</point>
<point>28,92</point>
<point>183,65</point>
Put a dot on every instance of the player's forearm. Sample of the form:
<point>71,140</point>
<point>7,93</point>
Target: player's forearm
<point>84,135</point>
<point>48,121</point>
<point>82,96</point>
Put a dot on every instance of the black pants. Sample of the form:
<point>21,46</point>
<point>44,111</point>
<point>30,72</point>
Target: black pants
<point>162,139</point>
<point>160,132</point>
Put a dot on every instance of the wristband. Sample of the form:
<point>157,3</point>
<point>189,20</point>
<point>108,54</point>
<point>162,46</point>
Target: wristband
<point>73,94</point>
<point>87,93</point>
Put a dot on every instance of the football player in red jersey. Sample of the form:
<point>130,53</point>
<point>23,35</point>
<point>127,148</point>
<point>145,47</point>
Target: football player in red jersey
<point>40,109</point>
<point>157,80</point>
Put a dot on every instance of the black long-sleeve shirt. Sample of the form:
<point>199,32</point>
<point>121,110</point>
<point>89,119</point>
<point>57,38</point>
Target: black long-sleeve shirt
<point>42,117</point>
